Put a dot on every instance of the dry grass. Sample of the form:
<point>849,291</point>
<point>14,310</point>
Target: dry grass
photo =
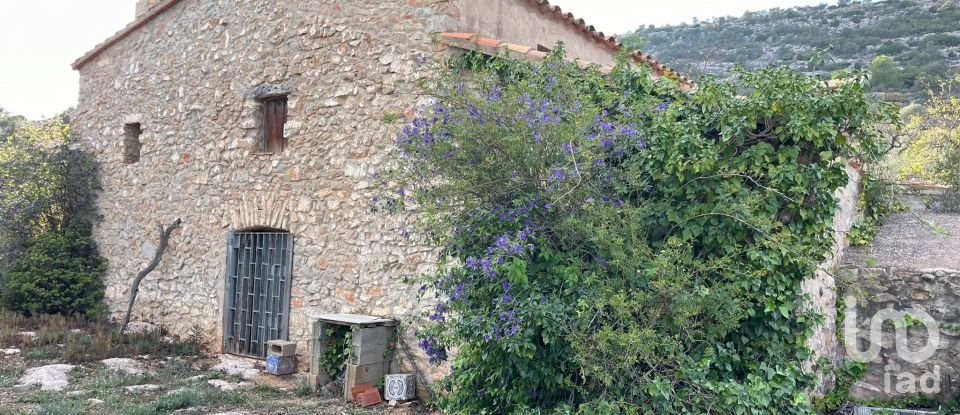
<point>177,366</point>
<point>78,340</point>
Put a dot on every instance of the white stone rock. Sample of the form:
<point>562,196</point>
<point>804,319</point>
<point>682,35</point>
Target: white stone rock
<point>30,334</point>
<point>140,327</point>
<point>128,366</point>
<point>236,367</point>
<point>10,352</point>
<point>141,388</point>
<point>228,386</point>
<point>50,377</point>
<point>95,401</point>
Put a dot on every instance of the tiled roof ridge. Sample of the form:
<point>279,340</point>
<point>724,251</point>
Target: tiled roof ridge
<point>610,42</point>
<point>137,23</point>
<point>495,47</point>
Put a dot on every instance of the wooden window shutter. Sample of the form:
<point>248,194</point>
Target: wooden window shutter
<point>274,117</point>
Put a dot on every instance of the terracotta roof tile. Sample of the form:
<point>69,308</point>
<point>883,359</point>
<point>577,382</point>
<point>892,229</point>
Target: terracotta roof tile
<point>610,42</point>
<point>488,42</point>
<point>536,54</point>
<point>516,48</point>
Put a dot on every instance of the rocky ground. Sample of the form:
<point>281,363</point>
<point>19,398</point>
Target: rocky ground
<point>39,378</point>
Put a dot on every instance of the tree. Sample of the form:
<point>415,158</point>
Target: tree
<point>44,182</point>
<point>632,42</point>
<point>48,260</point>
<point>885,74</point>
<point>8,123</point>
<point>933,149</point>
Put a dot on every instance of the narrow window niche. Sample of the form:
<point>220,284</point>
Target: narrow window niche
<point>131,142</point>
<point>274,118</point>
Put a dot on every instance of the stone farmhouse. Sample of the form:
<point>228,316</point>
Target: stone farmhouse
<point>259,123</point>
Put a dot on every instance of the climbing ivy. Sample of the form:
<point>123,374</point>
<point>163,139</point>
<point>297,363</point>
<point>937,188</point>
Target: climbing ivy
<point>614,245</point>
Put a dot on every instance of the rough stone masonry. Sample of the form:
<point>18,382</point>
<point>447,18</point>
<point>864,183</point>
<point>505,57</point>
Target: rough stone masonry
<point>187,79</point>
<point>171,111</point>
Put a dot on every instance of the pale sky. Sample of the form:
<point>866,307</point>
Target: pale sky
<point>39,39</point>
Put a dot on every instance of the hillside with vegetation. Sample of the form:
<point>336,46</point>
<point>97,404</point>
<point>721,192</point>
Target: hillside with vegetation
<point>909,46</point>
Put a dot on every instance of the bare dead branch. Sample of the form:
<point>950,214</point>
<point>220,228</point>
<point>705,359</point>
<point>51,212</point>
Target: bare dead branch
<point>135,287</point>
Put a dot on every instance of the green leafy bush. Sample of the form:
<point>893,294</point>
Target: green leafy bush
<point>933,148</point>
<point>48,260</point>
<point>614,245</point>
<point>878,198</point>
<point>59,273</point>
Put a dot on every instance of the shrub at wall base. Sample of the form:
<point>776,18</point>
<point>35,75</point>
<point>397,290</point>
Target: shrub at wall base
<point>59,273</point>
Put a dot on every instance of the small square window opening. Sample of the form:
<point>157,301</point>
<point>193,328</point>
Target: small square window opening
<point>131,142</point>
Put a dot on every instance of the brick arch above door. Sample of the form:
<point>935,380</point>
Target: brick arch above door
<point>261,211</point>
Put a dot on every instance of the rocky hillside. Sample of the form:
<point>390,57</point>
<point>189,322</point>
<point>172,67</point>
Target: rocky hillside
<point>909,45</point>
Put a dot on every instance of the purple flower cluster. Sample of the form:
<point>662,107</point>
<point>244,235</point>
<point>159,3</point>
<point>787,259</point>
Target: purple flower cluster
<point>505,246</point>
<point>436,352</point>
<point>613,136</point>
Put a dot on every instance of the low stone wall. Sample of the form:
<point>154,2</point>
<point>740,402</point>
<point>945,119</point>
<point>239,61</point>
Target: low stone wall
<point>906,324</point>
<point>821,288</point>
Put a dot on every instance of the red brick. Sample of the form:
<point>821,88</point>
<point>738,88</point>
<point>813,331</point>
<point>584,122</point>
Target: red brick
<point>488,42</point>
<point>359,389</point>
<point>369,398</point>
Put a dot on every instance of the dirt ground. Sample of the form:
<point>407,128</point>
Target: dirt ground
<point>144,375</point>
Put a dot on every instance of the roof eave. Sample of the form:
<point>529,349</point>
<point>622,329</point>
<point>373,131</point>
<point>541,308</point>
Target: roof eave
<point>141,21</point>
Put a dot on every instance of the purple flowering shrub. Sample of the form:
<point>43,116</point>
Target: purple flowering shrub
<point>614,245</point>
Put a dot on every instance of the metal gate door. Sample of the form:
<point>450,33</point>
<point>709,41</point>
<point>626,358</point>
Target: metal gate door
<point>257,303</point>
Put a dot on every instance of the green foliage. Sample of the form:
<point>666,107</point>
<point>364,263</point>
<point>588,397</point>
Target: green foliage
<point>334,359</point>
<point>920,38</point>
<point>878,198</point>
<point>48,260</point>
<point>613,245</point>
<point>59,273</point>
<point>391,117</point>
<point>9,123</point>
<point>846,376</point>
<point>632,42</point>
<point>933,148</point>
<point>885,73</point>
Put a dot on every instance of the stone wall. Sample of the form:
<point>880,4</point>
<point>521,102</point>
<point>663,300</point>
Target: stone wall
<point>518,21</point>
<point>188,77</point>
<point>822,288</point>
<point>878,292</point>
<point>910,267</point>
